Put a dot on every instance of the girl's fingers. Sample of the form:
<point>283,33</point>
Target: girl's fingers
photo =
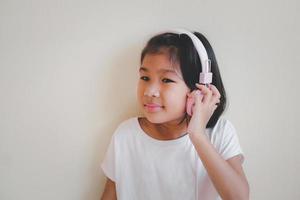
<point>215,102</point>
<point>198,97</point>
<point>207,93</point>
<point>215,91</point>
<point>216,96</point>
<point>211,94</point>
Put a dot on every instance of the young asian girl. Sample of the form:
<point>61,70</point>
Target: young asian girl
<point>169,154</point>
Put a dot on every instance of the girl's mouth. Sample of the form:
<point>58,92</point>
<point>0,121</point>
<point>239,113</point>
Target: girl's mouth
<point>152,107</point>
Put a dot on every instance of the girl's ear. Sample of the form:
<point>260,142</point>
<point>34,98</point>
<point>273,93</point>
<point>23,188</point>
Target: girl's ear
<point>189,94</point>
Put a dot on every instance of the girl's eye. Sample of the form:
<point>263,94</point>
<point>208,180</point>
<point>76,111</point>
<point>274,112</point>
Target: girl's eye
<point>144,78</point>
<point>167,80</point>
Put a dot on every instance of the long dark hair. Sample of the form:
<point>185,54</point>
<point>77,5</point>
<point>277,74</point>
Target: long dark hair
<point>181,49</point>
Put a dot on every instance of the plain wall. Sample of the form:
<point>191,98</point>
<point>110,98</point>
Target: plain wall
<point>68,74</point>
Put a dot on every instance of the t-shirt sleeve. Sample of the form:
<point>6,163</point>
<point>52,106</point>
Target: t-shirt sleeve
<point>109,161</point>
<point>229,145</point>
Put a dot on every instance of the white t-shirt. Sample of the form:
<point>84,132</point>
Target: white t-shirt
<point>143,167</point>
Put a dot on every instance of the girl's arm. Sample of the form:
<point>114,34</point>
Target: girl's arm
<point>227,176</point>
<point>109,191</point>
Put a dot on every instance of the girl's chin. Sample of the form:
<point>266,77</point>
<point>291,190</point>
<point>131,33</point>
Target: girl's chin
<point>153,116</point>
<point>161,118</point>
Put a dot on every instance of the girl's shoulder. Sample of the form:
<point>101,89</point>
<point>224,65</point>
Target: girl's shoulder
<point>126,127</point>
<point>223,123</point>
<point>223,128</point>
<point>225,138</point>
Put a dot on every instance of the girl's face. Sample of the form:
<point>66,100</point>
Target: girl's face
<point>161,91</point>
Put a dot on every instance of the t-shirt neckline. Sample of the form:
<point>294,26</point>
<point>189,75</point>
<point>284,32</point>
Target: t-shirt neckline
<point>156,141</point>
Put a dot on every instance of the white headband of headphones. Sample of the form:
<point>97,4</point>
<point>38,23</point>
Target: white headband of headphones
<point>205,75</point>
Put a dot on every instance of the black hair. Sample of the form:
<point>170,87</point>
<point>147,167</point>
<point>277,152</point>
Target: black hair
<point>181,49</point>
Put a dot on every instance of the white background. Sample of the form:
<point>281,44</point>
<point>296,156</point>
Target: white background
<point>68,73</point>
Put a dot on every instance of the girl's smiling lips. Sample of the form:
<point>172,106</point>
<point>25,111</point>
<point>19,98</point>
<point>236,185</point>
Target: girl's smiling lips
<point>152,107</point>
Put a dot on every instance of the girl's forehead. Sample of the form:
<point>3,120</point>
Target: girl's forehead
<point>160,63</point>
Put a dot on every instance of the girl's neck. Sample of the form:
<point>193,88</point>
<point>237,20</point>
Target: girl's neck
<point>165,131</point>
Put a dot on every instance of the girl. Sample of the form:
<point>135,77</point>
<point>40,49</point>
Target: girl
<point>168,154</point>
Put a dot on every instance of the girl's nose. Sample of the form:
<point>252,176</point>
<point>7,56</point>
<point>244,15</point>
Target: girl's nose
<point>152,91</point>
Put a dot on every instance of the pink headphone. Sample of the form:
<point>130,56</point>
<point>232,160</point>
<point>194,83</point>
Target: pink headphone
<point>206,75</point>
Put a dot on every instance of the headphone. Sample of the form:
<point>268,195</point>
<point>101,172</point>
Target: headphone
<point>205,76</point>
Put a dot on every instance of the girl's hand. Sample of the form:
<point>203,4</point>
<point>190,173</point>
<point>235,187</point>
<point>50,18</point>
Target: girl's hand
<point>205,105</point>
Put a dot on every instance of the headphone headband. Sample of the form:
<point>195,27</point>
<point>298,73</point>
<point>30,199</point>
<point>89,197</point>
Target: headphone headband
<point>205,76</point>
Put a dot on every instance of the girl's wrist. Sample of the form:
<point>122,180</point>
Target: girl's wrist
<point>196,133</point>
<point>196,130</point>
<point>198,137</point>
